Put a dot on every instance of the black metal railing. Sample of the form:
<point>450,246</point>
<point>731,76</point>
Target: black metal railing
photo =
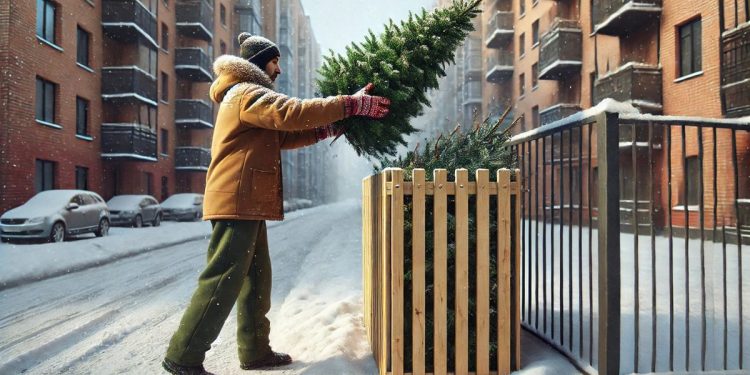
<point>128,83</point>
<point>500,30</point>
<point>620,17</point>
<point>193,114</point>
<point>192,158</point>
<point>735,73</point>
<point>195,19</point>
<point>635,83</point>
<point>193,64</point>
<point>560,50</point>
<point>128,20</point>
<point>128,141</point>
<point>615,295</point>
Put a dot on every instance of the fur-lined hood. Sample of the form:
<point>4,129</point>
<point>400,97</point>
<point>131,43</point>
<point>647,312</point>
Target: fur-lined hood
<point>231,70</point>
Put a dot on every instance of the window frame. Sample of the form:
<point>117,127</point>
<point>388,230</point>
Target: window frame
<point>43,182</point>
<point>164,142</point>
<point>79,32</point>
<point>48,93</point>
<point>534,34</point>
<point>82,171</point>
<point>522,85</point>
<point>44,6</point>
<point>86,111</point>
<point>534,76</point>
<point>521,45</point>
<point>687,30</point>
<point>164,95</point>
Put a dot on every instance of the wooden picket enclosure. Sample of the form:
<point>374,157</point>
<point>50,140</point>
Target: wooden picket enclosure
<point>383,269</point>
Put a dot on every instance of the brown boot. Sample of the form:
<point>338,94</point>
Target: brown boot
<point>273,359</point>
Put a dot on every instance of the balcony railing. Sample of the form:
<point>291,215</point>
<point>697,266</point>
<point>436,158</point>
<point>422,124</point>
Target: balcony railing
<point>193,64</point>
<point>500,30</point>
<point>557,112</point>
<point>638,84</point>
<point>621,242</point>
<point>473,66</point>
<point>471,93</point>
<point>193,114</point>
<point>735,75</point>
<point>128,142</point>
<point>195,19</point>
<point>499,67</point>
<point>192,158</point>
<point>620,17</point>
<point>560,51</point>
<point>128,83</point>
<point>128,20</point>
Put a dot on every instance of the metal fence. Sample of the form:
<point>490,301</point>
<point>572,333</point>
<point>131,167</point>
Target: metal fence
<point>633,234</point>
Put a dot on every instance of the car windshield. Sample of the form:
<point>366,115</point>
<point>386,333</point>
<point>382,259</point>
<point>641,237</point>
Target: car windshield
<point>122,202</point>
<point>179,201</point>
<point>50,198</point>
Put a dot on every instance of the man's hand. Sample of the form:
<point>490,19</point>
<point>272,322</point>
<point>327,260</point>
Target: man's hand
<point>364,104</point>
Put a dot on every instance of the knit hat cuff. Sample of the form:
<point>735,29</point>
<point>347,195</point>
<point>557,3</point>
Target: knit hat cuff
<point>264,56</point>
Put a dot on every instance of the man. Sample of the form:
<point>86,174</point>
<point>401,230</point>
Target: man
<point>243,189</point>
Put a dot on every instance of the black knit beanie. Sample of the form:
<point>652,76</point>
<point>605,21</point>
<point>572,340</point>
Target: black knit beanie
<point>257,49</point>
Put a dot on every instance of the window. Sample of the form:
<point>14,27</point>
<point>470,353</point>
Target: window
<point>535,33</point>
<point>147,59</point>
<point>44,177</point>
<point>82,116</point>
<point>82,178</point>
<point>534,76</point>
<point>223,14</point>
<point>164,142</point>
<point>164,87</point>
<point>521,45</point>
<point>149,182</point>
<point>693,181</point>
<point>522,85</point>
<point>522,124</point>
<point>535,116</point>
<point>88,199</point>
<point>147,116</point>
<point>82,53</point>
<point>522,7</point>
<point>164,36</point>
<point>45,20</point>
<point>45,100</point>
<point>592,87</point>
<point>164,188</point>
<point>223,47</point>
<point>690,48</point>
<point>150,5</point>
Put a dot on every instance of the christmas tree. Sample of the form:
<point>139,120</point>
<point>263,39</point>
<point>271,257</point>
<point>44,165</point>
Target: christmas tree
<point>403,63</point>
<point>484,146</point>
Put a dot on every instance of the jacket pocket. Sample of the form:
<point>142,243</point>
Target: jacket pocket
<point>261,194</point>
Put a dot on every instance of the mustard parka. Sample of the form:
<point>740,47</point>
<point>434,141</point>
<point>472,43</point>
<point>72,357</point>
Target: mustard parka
<point>254,123</point>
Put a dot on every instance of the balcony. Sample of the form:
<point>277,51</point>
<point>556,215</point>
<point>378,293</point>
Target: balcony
<point>193,64</point>
<point>128,142</point>
<point>129,21</point>
<point>620,17</point>
<point>195,19</point>
<point>500,30</point>
<point>128,83</point>
<point>193,114</point>
<point>735,73</point>
<point>500,68</point>
<point>560,51</point>
<point>635,83</point>
<point>471,93</point>
<point>473,66</point>
<point>557,112</point>
<point>192,158</point>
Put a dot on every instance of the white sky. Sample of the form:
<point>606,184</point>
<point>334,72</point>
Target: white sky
<point>337,23</point>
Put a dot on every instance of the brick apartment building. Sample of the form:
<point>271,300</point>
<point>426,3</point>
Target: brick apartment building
<point>112,95</point>
<point>551,59</point>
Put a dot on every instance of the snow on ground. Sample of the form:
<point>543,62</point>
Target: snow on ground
<point>117,318</point>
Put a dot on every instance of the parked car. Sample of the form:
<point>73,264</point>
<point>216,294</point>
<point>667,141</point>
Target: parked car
<point>187,206</point>
<point>134,210</point>
<point>56,214</point>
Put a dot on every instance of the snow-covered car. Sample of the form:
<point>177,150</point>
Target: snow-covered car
<point>56,214</point>
<point>186,206</point>
<point>134,210</point>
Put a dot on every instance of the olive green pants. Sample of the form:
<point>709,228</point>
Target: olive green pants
<point>238,270</point>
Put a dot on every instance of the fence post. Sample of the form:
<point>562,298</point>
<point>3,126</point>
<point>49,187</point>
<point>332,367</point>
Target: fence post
<point>608,162</point>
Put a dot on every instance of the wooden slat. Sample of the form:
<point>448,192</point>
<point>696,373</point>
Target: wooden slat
<point>397,273</point>
<point>450,188</point>
<point>385,275</point>
<point>366,253</point>
<point>418,272</point>
<point>441,272</point>
<point>462,272</point>
<point>517,280</point>
<point>483,271</point>
<point>503,272</point>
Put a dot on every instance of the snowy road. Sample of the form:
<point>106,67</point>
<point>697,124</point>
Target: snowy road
<point>118,318</point>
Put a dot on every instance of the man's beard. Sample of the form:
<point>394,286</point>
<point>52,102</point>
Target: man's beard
<point>273,77</point>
